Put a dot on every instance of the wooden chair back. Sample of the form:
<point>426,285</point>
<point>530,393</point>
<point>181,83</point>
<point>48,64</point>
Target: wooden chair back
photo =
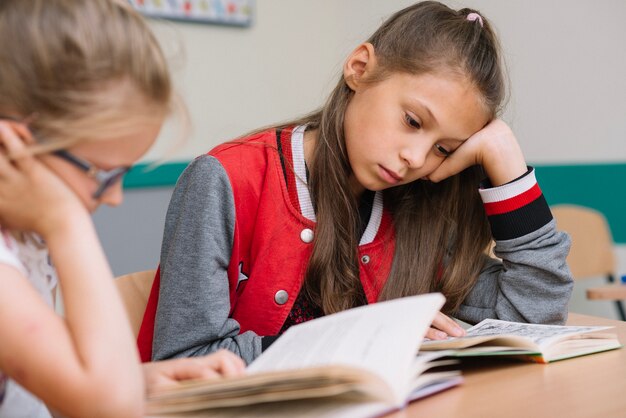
<point>592,253</point>
<point>134,288</point>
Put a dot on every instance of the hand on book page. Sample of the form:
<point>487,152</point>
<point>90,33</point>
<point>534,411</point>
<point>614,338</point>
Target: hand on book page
<point>533,342</point>
<point>362,356</point>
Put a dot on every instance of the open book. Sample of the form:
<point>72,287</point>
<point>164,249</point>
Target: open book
<point>531,342</point>
<point>360,362</point>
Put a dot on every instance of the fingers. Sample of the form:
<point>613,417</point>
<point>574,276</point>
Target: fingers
<point>220,364</point>
<point>13,138</point>
<point>161,375</point>
<point>227,363</point>
<point>449,167</point>
<point>23,132</point>
<point>444,326</point>
<point>191,368</point>
<point>7,139</point>
<point>465,156</point>
<point>494,147</point>
<point>435,334</point>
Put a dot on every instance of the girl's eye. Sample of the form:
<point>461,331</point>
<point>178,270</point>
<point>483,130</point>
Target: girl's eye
<point>442,151</point>
<point>412,122</point>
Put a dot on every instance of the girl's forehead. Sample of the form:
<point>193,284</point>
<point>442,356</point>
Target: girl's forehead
<point>119,150</point>
<point>452,91</point>
<point>445,98</point>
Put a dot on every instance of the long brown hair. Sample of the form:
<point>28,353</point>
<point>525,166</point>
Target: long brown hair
<point>80,69</point>
<point>441,229</point>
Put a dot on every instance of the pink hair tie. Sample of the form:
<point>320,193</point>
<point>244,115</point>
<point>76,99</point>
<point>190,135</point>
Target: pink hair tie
<point>472,17</point>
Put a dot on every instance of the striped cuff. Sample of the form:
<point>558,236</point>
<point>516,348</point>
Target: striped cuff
<point>516,208</point>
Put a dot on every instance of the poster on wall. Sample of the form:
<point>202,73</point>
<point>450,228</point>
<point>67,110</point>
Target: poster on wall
<point>221,12</point>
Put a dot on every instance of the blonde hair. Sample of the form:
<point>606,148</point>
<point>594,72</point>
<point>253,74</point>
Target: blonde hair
<point>80,69</point>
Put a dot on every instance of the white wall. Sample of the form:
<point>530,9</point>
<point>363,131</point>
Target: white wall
<point>238,79</point>
<point>567,61</point>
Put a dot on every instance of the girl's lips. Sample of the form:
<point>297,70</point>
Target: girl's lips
<point>389,176</point>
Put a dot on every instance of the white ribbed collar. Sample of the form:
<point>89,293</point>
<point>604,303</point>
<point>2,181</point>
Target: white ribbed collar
<point>304,197</point>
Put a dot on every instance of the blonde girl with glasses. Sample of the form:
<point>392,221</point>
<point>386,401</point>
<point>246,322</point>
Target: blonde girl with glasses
<point>84,89</point>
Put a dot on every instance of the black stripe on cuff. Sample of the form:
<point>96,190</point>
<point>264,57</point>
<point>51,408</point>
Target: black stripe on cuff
<point>521,221</point>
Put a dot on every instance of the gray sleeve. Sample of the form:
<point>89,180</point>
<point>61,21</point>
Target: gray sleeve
<point>531,283</point>
<point>192,317</point>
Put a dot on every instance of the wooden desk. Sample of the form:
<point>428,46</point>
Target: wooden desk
<point>589,386</point>
<point>611,292</point>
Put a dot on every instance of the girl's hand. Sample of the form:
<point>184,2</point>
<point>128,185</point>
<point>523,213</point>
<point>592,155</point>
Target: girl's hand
<point>494,147</point>
<point>443,327</point>
<point>32,197</point>
<point>165,374</point>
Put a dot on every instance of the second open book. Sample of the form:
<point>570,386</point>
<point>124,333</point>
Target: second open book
<point>530,342</point>
<point>357,363</point>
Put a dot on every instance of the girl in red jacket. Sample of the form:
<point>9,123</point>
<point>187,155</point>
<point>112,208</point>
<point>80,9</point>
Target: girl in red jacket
<point>377,195</point>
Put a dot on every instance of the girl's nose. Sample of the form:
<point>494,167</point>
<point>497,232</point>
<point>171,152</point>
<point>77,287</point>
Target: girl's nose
<point>414,155</point>
<point>113,196</point>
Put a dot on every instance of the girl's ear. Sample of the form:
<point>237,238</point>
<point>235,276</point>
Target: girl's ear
<point>358,64</point>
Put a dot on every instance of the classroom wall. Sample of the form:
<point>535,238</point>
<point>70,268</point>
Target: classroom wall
<point>566,62</point>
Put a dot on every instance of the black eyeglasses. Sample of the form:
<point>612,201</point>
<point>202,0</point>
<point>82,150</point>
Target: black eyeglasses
<point>104,178</point>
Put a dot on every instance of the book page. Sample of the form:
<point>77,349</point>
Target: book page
<point>580,346</point>
<point>326,382</point>
<point>337,407</point>
<point>541,335</point>
<point>381,338</point>
<point>532,337</point>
